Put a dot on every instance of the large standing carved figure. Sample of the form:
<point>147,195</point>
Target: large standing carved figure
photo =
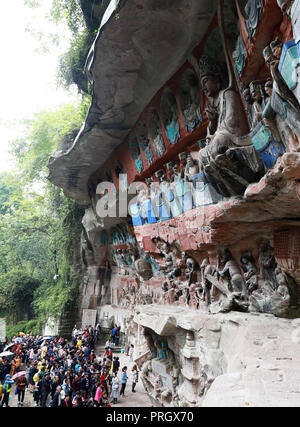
<point>229,161</point>
<point>233,270</point>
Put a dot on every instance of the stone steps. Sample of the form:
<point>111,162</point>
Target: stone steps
<point>101,349</point>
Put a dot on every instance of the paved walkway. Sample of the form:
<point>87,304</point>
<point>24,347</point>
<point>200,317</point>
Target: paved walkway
<point>138,399</point>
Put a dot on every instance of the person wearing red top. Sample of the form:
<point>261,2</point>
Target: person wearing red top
<point>21,385</point>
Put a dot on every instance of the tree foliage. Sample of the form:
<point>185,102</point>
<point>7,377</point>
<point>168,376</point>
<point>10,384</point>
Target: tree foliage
<point>39,226</point>
<point>82,19</point>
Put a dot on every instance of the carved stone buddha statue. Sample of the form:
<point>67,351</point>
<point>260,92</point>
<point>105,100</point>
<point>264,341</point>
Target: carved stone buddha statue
<point>229,161</point>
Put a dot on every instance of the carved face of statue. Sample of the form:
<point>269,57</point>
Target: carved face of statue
<point>277,51</point>
<point>190,162</point>
<point>285,6</point>
<point>182,158</point>
<point>256,95</point>
<point>268,89</point>
<point>210,85</point>
<point>175,169</point>
<point>247,96</point>
<point>165,247</point>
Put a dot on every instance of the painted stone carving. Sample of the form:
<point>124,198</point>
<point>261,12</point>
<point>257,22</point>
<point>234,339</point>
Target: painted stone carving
<point>240,56</point>
<point>170,262</point>
<point>249,102</point>
<point>190,101</point>
<point>253,10</point>
<point>135,152</point>
<point>250,271</point>
<point>156,133</point>
<point>233,270</point>
<point>142,133</point>
<point>169,113</point>
<point>229,161</point>
<point>191,169</point>
<point>257,94</point>
<point>283,101</point>
<point>286,6</point>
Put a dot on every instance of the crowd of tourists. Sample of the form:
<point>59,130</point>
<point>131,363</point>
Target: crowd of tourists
<point>62,373</point>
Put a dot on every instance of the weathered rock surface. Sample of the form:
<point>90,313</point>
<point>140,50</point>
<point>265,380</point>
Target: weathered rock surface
<point>130,60</point>
<point>244,359</point>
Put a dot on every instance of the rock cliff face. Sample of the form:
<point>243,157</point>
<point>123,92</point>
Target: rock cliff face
<point>130,60</point>
<point>224,360</point>
<point>202,272</point>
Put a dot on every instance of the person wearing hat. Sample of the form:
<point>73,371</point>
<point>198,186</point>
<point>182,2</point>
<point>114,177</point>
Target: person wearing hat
<point>6,390</point>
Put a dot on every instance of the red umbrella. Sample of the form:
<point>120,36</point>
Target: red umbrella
<point>19,374</point>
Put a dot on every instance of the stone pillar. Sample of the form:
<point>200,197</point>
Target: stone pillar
<point>190,389</point>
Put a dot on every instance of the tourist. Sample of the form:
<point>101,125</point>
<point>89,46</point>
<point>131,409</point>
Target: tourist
<point>72,375</point>
<point>45,389</point>
<point>117,336</point>
<point>124,379</point>
<point>98,393</point>
<point>79,342</point>
<point>21,385</point>
<point>6,390</point>
<point>37,390</point>
<point>108,343</point>
<point>135,377</point>
<point>57,398</point>
<point>113,334</point>
<point>115,388</point>
<point>131,352</point>
<point>67,402</point>
<point>98,331</point>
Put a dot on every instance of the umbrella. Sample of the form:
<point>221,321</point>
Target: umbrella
<point>8,346</point>
<point>19,374</point>
<point>6,354</point>
<point>21,333</point>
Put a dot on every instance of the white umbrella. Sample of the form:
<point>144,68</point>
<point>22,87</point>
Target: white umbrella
<point>6,354</point>
<point>8,346</point>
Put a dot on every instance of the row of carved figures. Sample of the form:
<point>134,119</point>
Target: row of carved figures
<point>244,285</point>
<point>230,285</point>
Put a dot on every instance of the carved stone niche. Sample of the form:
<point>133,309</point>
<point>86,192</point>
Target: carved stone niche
<point>190,389</point>
<point>287,252</point>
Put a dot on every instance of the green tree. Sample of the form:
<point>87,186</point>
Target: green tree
<point>39,226</point>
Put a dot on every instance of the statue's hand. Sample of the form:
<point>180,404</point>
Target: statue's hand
<point>211,113</point>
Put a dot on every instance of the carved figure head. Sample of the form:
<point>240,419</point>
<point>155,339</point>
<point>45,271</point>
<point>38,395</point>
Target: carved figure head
<point>170,166</point>
<point>190,161</point>
<point>205,262</point>
<point>247,96</point>
<point>226,256</point>
<point>182,158</point>
<point>276,47</point>
<point>160,175</point>
<point>285,6</point>
<point>209,77</point>
<point>269,87</point>
<point>268,55</point>
<point>256,91</point>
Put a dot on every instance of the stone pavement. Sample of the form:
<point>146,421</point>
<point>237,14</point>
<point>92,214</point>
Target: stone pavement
<point>138,399</point>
